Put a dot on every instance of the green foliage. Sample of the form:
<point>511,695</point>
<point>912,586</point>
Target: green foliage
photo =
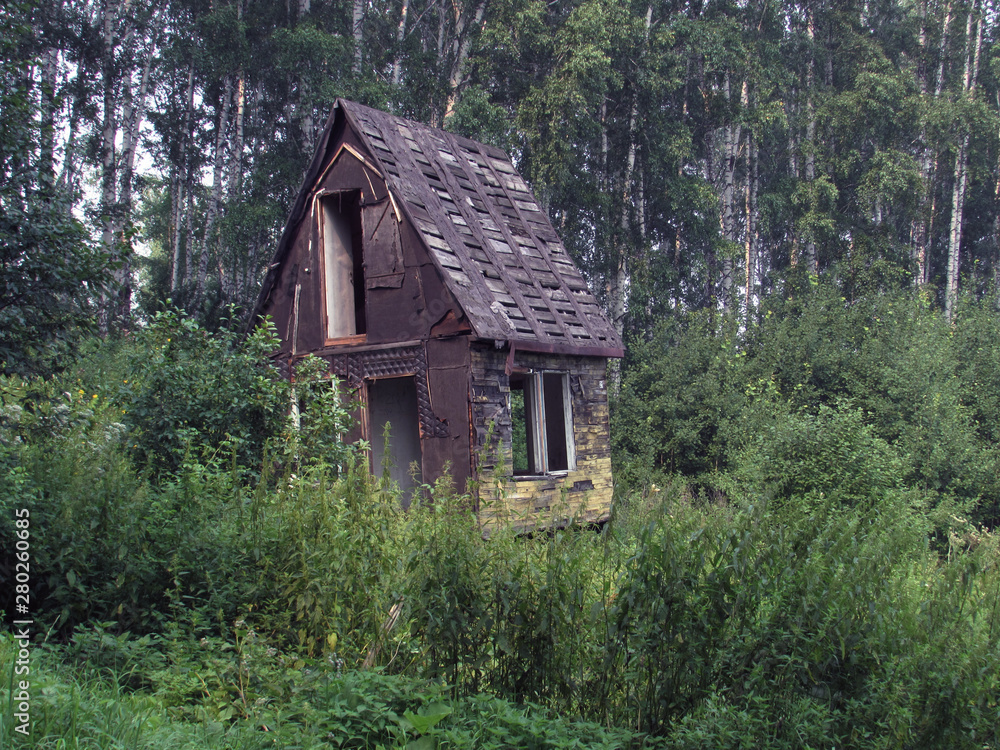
<point>327,558</point>
<point>831,453</point>
<point>112,544</point>
<point>190,391</point>
<point>289,702</point>
<point>822,590</point>
<point>751,626</point>
<point>315,437</point>
<point>679,396</point>
<point>450,592</point>
<point>824,394</point>
<point>50,271</point>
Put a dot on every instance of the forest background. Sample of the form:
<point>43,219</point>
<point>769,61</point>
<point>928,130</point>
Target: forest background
<point>789,210</point>
<point>690,154</point>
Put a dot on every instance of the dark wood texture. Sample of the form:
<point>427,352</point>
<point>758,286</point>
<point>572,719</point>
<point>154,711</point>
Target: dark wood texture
<point>465,281</point>
<point>480,225</point>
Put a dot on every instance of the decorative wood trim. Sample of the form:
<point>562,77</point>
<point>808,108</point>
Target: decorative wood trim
<point>356,340</point>
<point>358,365</point>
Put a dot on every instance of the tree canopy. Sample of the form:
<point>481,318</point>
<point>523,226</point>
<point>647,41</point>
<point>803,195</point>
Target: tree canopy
<point>693,155</point>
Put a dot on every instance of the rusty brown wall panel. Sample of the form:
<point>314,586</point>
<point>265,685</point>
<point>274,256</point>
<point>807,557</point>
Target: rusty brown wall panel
<point>442,453</point>
<point>311,312</point>
<point>448,362</point>
<point>453,352</point>
<point>347,173</point>
<point>396,312</point>
<point>389,311</point>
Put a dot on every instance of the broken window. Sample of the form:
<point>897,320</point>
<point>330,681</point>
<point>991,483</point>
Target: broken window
<point>542,423</point>
<point>343,264</point>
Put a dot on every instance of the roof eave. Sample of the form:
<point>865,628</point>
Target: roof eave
<point>577,350</point>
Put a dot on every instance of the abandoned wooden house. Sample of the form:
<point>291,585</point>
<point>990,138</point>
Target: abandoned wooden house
<point>420,266</point>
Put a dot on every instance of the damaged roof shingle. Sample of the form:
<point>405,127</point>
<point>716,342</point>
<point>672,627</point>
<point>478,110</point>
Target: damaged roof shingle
<point>486,233</point>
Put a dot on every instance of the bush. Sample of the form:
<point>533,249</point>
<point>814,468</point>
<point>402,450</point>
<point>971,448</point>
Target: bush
<point>782,625</point>
<point>191,391</point>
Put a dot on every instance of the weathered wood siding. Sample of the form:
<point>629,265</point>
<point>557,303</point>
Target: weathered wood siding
<point>458,261</point>
<point>404,304</point>
<point>583,493</point>
<point>440,368</point>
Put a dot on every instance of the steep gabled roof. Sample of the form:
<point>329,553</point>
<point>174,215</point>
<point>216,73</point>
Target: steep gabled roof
<point>483,228</point>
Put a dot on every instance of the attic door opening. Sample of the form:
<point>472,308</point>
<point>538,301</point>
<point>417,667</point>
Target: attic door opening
<point>343,263</point>
<point>393,401</point>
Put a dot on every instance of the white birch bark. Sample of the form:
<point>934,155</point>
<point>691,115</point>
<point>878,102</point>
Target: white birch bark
<point>397,62</point>
<point>180,199</point>
<point>810,155</point>
<point>923,223</point>
<point>357,24</point>
<point>619,283</point>
<point>961,167</point>
<point>461,46</point>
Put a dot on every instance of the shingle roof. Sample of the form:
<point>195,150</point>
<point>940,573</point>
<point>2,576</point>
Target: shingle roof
<point>492,243</point>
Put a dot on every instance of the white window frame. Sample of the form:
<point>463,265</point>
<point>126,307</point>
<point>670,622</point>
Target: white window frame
<point>536,423</point>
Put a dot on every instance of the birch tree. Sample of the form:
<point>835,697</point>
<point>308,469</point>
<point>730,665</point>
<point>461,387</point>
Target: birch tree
<point>973,48</point>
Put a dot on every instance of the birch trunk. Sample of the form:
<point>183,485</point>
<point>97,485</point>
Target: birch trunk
<point>109,131</point>
<point>461,45</point>
<point>751,259</point>
<point>357,23</point>
<point>180,197</point>
<point>109,124</point>
<point>961,168</point>
<point>810,155</point>
<point>47,107</point>
<point>305,105</point>
<point>619,283</point>
<point>132,118</point>
<point>923,223</point>
<point>227,280</point>
<point>397,62</point>
<point>732,138</point>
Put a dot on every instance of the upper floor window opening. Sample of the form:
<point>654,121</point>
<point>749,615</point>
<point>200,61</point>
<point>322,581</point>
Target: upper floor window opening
<point>343,264</point>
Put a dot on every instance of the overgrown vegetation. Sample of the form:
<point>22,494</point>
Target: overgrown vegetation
<point>803,558</point>
<point>824,393</point>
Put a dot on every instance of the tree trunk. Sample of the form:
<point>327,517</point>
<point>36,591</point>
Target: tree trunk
<point>461,45</point>
<point>180,199</point>
<point>357,24</point>
<point>732,138</point>
<point>810,155</point>
<point>923,223</point>
<point>132,118</point>
<point>397,62</point>
<point>620,281</point>
<point>47,106</point>
<point>109,131</point>
<point>751,259</point>
<point>961,167</point>
<point>227,278</point>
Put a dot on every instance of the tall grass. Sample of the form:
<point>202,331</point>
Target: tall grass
<point>815,602</point>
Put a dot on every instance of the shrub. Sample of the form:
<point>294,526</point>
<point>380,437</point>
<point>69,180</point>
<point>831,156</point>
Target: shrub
<point>190,390</point>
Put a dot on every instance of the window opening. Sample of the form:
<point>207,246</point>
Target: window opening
<point>541,423</point>
<point>343,262</point>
